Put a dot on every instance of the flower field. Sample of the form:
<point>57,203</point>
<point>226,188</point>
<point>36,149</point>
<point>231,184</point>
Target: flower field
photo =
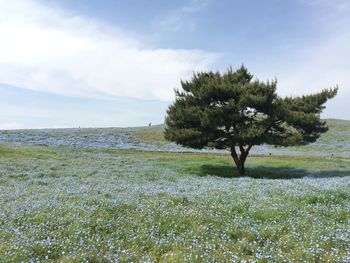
<point>71,204</point>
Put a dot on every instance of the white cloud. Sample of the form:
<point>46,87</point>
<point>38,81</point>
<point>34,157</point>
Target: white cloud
<point>181,18</point>
<point>323,66</point>
<point>320,63</point>
<point>48,49</point>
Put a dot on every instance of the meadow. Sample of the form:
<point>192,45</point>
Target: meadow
<point>83,202</point>
<point>336,142</point>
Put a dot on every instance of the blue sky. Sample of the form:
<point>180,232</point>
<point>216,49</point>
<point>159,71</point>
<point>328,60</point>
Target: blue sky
<point>115,63</point>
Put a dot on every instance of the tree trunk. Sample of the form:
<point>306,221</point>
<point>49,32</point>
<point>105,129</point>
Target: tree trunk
<point>240,160</point>
<point>241,169</point>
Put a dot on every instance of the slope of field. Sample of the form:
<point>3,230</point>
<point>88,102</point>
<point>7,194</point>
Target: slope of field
<point>141,138</point>
<point>336,142</point>
<point>67,204</point>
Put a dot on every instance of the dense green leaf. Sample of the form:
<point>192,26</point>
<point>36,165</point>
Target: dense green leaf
<point>232,110</point>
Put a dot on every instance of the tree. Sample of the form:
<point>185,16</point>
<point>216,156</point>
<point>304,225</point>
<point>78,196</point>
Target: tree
<point>232,111</point>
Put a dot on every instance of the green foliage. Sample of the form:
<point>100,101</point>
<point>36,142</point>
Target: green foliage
<point>231,110</point>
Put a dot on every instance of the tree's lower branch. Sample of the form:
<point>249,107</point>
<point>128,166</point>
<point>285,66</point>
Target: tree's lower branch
<point>249,147</point>
<point>234,155</point>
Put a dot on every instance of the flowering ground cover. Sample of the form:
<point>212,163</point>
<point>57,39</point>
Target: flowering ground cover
<point>72,204</point>
<point>336,142</point>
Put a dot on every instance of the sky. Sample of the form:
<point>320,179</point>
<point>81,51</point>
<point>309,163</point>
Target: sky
<point>103,63</point>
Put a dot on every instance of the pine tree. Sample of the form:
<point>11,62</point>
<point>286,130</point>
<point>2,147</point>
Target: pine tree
<point>232,111</point>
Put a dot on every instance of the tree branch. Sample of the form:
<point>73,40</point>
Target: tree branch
<point>234,155</point>
<point>249,147</point>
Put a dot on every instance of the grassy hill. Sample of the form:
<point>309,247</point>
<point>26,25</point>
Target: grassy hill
<point>336,142</point>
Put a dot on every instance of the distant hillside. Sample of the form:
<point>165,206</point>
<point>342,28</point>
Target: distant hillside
<point>337,139</point>
<point>335,142</point>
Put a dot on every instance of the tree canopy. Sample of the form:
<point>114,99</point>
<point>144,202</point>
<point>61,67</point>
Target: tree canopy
<point>234,111</point>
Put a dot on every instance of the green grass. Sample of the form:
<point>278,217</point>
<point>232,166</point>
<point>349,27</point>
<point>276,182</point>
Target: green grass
<point>83,205</point>
<point>334,142</point>
<point>152,134</point>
